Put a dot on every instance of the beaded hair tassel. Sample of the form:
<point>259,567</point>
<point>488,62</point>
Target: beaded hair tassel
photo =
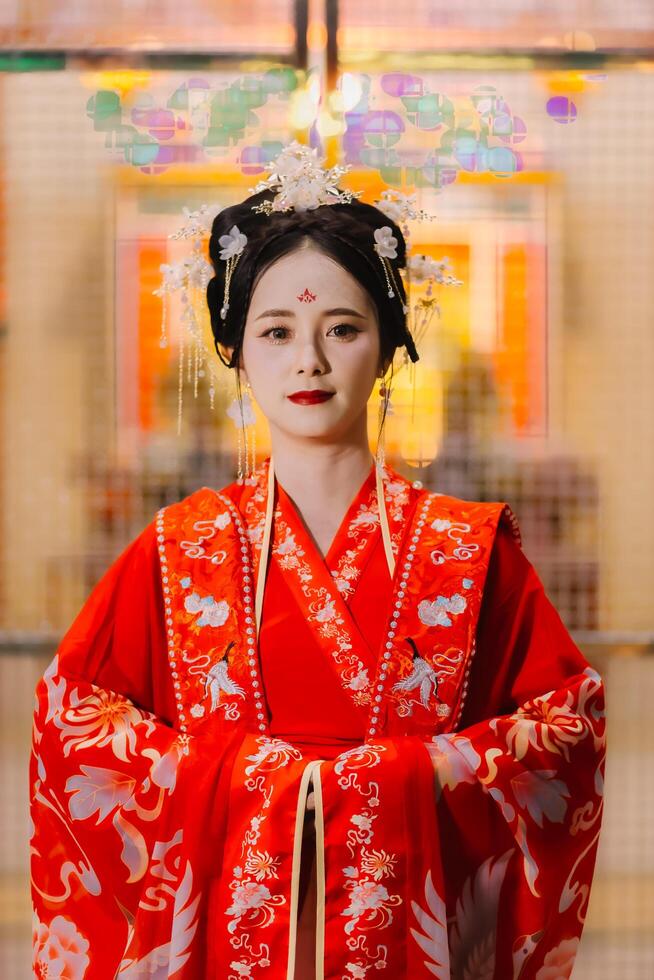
<point>383,411</point>
<point>241,412</point>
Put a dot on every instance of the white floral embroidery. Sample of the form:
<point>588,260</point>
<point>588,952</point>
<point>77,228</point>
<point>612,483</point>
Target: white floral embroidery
<point>260,864</point>
<point>370,905</point>
<point>326,613</point>
<point>361,681</point>
<point>253,904</point>
<point>212,612</point>
<point>248,895</point>
<point>435,613</point>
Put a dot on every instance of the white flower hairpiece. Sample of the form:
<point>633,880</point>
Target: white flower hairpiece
<point>302,183</point>
<point>400,207</point>
<point>422,267</point>
<point>232,244</point>
<point>385,242</point>
<point>197,223</point>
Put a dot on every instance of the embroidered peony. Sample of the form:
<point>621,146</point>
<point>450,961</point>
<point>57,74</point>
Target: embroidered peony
<point>248,895</point>
<point>366,895</point>
<point>436,613</point>
<point>213,613</point>
<point>327,612</point>
<point>361,681</point>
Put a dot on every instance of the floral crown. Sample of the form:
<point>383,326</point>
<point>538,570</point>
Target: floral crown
<point>301,184</point>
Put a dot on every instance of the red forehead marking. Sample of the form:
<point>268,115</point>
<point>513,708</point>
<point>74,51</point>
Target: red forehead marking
<point>307,296</point>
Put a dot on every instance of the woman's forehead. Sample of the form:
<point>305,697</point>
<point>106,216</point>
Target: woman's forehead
<point>290,277</point>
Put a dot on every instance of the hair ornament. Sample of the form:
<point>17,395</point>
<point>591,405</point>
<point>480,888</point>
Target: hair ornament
<point>301,182</point>
<point>232,245</point>
<point>385,242</point>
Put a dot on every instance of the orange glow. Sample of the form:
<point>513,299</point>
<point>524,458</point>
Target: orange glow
<point>521,358</point>
<point>153,360</point>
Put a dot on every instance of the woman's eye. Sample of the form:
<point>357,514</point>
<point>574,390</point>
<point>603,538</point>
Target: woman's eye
<point>276,339</point>
<point>350,330</point>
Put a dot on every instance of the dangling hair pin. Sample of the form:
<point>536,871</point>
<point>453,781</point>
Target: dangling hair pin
<point>232,246</point>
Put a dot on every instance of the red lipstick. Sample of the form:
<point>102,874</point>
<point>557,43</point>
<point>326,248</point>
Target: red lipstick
<point>310,397</point>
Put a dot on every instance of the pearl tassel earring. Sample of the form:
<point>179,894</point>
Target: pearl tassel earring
<point>241,412</point>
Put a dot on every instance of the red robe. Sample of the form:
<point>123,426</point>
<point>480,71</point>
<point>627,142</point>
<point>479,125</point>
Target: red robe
<point>451,732</point>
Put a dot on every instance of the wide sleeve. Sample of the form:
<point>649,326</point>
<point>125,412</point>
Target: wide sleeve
<point>125,808</point>
<point>519,785</point>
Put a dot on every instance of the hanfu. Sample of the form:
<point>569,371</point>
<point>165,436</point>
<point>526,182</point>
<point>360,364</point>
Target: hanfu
<point>416,684</point>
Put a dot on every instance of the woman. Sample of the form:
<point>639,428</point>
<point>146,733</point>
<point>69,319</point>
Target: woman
<point>387,763</point>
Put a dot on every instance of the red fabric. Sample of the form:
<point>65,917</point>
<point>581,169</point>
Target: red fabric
<point>105,644</point>
<point>161,815</point>
<point>305,701</point>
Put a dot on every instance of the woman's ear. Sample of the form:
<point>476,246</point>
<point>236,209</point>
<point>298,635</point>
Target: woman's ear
<point>227,353</point>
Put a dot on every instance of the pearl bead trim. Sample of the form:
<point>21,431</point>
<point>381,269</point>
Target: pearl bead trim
<point>248,609</point>
<point>464,686</point>
<point>379,683</point>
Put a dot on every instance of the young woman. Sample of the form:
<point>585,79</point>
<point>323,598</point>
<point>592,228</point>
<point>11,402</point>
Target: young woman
<point>321,723</point>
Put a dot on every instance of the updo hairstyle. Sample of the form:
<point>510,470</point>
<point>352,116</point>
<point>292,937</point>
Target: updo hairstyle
<point>342,231</point>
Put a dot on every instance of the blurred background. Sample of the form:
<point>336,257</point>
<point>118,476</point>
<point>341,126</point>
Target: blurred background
<point>527,128</point>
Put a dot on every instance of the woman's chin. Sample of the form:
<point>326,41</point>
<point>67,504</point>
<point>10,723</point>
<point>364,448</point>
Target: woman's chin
<point>320,430</point>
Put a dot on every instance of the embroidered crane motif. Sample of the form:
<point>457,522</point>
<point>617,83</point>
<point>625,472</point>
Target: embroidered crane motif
<point>422,677</point>
<point>218,679</point>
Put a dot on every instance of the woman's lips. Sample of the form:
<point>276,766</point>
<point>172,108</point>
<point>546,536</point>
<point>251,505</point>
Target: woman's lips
<point>310,397</point>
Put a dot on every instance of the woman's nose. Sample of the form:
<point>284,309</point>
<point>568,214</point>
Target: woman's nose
<point>311,360</point>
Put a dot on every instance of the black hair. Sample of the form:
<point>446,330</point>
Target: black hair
<point>342,231</point>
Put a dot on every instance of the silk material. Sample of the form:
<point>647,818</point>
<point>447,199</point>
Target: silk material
<point>168,812</point>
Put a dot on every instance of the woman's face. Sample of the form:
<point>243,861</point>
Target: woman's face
<point>311,328</point>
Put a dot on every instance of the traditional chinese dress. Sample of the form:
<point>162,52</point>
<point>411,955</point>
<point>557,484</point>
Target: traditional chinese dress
<point>416,681</point>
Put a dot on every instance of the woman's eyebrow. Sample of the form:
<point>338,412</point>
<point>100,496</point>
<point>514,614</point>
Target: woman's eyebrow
<point>336,311</point>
